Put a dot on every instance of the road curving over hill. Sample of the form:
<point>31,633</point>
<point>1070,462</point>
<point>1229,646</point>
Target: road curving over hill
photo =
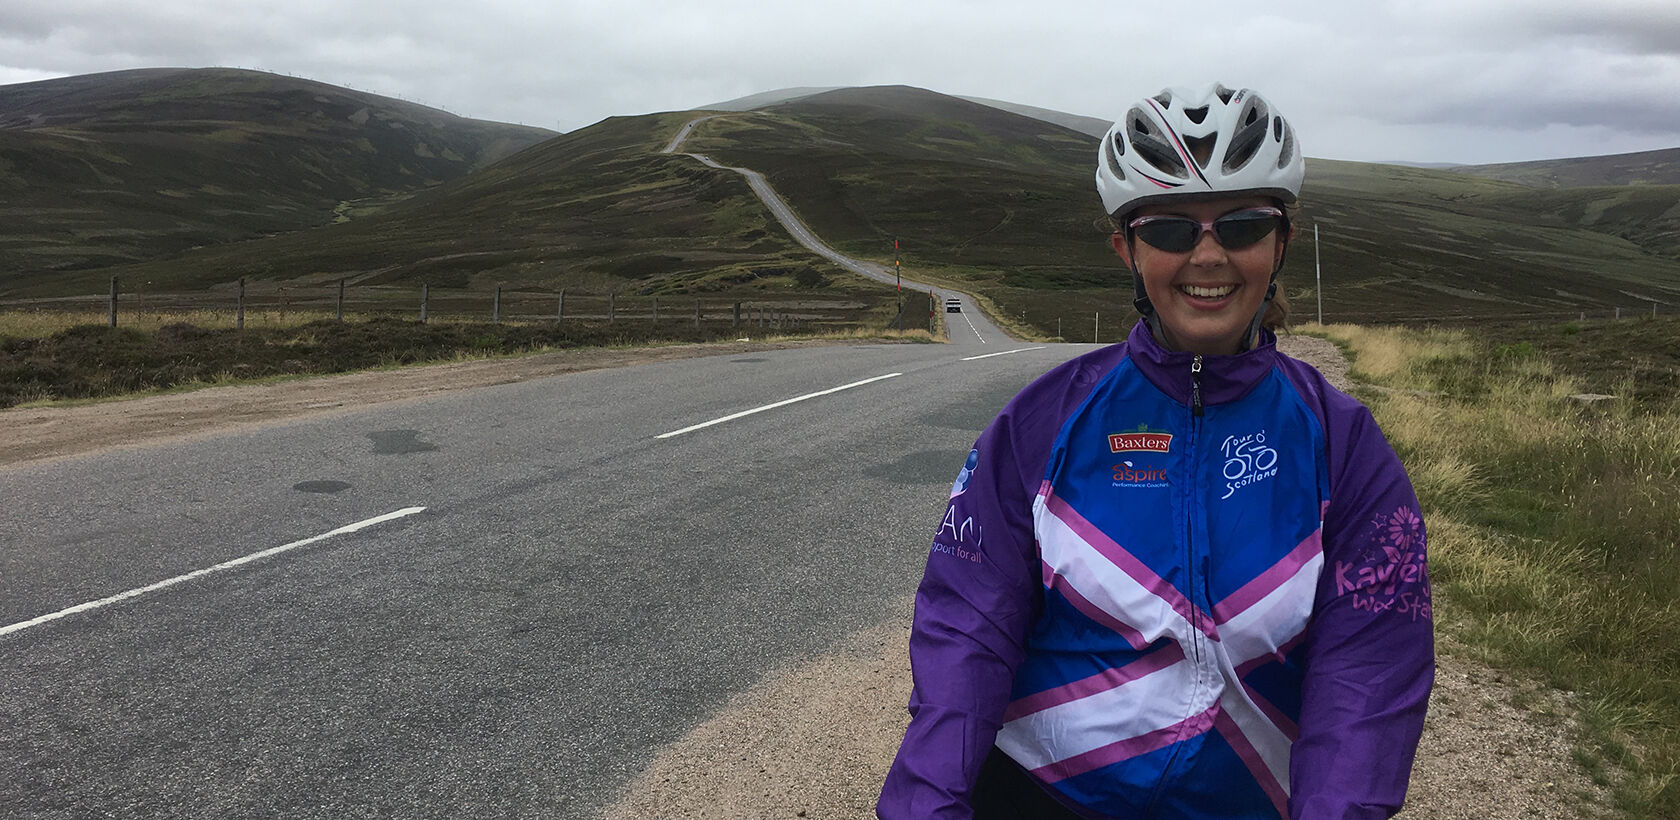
<point>974,327</point>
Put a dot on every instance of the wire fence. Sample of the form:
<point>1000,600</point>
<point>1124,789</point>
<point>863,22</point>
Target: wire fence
<point>266,304</point>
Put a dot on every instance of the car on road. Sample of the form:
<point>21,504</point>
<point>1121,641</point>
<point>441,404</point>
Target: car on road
<point>953,305</point>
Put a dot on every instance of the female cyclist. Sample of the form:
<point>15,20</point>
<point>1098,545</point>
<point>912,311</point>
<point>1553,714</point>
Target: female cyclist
<point>1181,576</point>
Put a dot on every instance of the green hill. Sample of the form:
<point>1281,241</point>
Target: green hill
<point>109,168</point>
<point>1639,168</point>
<point>597,209</point>
<point>979,197</point>
<point>1006,204</point>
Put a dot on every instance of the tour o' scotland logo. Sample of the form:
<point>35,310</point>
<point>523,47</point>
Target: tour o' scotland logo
<point>1248,460</point>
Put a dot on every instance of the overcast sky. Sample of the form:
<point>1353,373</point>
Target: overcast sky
<point>1423,81</point>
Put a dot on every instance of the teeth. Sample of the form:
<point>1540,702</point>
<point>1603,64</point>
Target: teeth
<point>1207,293</point>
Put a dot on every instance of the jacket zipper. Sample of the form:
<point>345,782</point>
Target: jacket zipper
<point>1196,386</point>
<point>1190,503</point>
<point>1190,562</point>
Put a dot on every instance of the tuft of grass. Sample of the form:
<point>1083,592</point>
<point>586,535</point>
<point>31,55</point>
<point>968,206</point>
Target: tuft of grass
<point>1553,531</point>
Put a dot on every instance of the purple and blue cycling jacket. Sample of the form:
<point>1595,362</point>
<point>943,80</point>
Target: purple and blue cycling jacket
<point>1174,586</point>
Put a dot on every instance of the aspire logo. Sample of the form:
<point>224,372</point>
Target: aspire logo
<point>1127,474</point>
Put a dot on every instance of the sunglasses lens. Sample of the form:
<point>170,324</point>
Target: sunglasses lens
<point>1170,235</point>
<point>1243,229</point>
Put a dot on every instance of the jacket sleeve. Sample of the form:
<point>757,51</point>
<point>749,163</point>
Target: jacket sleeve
<point>1369,650</point>
<point>978,598</point>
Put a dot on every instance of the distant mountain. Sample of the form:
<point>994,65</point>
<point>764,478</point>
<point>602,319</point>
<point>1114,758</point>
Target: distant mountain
<point>1085,125</point>
<point>1639,168</point>
<point>978,197</point>
<point>764,98</point>
<point>1439,166</point>
<point>128,165</point>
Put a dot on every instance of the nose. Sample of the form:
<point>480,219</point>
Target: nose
<point>1207,252</point>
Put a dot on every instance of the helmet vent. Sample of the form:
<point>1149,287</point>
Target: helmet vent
<point>1224,93</point>
<point>1112,155</point>
<point>1196,115</point>
<point>1201,148</point>
<point>1287,153</point>
<point>1151,147</point>
<point>1165,99</point>
<point>1117,145</point>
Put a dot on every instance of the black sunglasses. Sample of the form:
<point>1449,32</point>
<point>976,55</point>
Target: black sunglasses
<point>1177,234</point>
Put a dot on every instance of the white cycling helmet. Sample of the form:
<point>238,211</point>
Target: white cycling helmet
<point>1211,142</point>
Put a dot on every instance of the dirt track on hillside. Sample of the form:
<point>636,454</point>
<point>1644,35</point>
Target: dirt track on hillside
<point>814,739</point>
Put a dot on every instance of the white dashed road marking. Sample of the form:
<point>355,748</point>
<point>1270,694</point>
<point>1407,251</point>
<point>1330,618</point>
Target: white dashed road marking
<point>782,403</point>
<point>199,573</point>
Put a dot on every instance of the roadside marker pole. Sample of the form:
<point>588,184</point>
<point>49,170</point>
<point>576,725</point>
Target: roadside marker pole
<point>1096,327</point>
<point>1318,274</point>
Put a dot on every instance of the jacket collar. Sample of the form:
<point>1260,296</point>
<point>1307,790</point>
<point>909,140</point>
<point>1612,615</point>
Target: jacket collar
<point>1223,378</point>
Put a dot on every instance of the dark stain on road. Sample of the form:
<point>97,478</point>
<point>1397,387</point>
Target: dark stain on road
<point>320,486</point>
<point>972,416</point>
<point>399,443</point>
<point>925,467</point>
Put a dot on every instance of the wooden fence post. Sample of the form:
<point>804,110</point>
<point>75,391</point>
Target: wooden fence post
<point>424,297</point>
<point>560,309</point>
<point>737,315</point>
<point>239,321</point>
<point>113,301</point>
<point>697,313</point>
<point>612,307</point>
<point>341,300</point>
<point>496,307</point>
<point>656,310</point>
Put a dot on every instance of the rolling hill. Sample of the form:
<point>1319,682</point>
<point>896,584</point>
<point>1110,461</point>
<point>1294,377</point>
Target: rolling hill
<point>103,169</point>
<point>597,209</point>
<point>979,197</point>
<point>1005,202</point>
<point>1638,168</point>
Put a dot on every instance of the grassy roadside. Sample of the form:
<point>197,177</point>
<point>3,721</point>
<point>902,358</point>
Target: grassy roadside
<point>91,361</point>
<point>1554,538</point>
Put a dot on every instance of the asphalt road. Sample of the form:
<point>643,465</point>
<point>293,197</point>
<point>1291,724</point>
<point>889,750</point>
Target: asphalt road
<point>493,603</point>
<point>970,326</point>
<point>577,592</point>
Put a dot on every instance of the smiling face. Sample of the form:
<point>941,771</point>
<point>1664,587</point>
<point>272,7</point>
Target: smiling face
<point>1206,297</point>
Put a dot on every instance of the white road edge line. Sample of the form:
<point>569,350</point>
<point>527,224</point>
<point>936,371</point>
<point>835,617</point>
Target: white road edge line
<point>199,573</point>
<point>1004,353</point>
<point>782,403</point>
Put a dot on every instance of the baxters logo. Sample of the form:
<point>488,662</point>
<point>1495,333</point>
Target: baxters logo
<point>1140,442</point>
